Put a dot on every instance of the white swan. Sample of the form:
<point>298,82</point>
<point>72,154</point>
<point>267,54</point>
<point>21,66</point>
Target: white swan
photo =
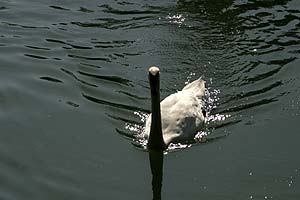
<point>178,117</point>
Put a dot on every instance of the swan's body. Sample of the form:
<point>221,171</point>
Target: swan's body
<point>181,114</point>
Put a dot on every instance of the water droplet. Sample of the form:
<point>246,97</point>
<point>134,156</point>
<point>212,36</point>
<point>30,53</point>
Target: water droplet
<point>176,19</point>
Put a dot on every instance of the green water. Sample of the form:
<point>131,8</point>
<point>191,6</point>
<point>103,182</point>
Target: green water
<point>73,80</point>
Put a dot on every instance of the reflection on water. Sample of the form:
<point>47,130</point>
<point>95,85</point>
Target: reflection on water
<point>156,159</point>
<point>74,96</point>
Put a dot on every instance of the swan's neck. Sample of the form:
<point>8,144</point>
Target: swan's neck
<point>156,141</point>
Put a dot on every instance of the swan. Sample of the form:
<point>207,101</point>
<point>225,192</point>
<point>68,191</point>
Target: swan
<point>178,117</point>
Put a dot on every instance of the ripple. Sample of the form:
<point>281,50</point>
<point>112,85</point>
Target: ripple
<point>287,19</point>
<point>113,23</point>
<point>36,56</point>
<point>69,44</point>
<point>3,8</point>
<point>109,9</point>
<point>109,103</point>
<point>114,79</point>
<point>254,92</point>
<point>75,105</point>
<point>90,65</point>
<point>269,49</point>
<point>25,26</point>
<point>124,133</point>
<point>13,164</point>
<point>244,106</point>
<point>37,48</point>
<point>85,10</point>
<point>59,8</point>
<point>133,95</point>
<point>51,79</point>
<point>78,79</point>
<point>262,76</point>
<point>113,44</point>
<point>89,58</point>
<point>281,62</point>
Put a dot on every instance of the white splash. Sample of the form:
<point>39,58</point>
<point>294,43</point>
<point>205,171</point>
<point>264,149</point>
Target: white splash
<point>137,129</point>
<point>176,19</point>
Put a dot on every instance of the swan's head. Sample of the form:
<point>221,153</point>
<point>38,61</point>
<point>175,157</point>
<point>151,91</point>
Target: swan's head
<point>153,71</point>
<point>154,80</point>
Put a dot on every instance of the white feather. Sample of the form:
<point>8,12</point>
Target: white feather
<point>181,113</point>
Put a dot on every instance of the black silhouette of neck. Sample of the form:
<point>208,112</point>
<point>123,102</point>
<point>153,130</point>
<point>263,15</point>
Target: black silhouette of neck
<point>156,141</point>
<point>156,164</point>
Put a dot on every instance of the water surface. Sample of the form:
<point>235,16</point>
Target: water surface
<point>73,75</point>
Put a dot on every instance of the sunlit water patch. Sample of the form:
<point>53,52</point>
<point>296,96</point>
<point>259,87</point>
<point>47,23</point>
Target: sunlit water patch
<point>178,19</point>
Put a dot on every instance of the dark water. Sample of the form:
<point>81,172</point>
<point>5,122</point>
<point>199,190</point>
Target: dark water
<point>74,73</point>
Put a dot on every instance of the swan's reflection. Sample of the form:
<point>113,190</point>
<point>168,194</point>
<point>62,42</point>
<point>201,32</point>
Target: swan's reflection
<point>156,163</point>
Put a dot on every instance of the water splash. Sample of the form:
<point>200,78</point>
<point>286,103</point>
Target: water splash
<point>201,136</point>
<point>176,19</point>
<point>189,78</point>
<point>138,129</point>
<point>178,146</point>
<point>211,100</point>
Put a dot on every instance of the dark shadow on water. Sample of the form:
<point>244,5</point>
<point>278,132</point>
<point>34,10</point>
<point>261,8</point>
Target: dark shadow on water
<point>156,164</point>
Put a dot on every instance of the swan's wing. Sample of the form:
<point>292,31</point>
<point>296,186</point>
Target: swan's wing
<point>181,113</point>
<point>182,116</point>
<point>166,118</point>
<point>197,87</point>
